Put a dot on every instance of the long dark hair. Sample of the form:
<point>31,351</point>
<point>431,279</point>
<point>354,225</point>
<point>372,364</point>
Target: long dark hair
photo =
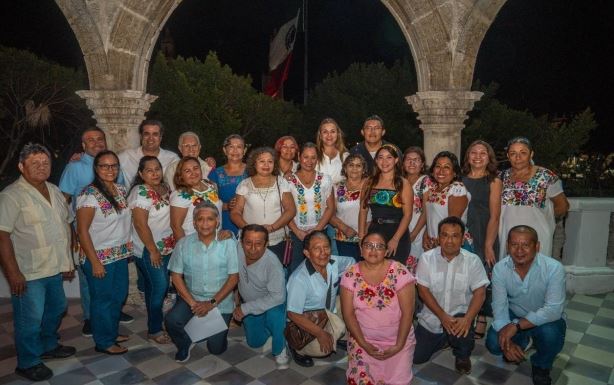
<point>455,166</point>
<point>491,167</point>
<point>398,173</point>
<point>99,184</point>
<point>138,179</point>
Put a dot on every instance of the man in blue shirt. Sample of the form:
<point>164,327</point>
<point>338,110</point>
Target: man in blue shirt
<point>528,300</point>
<point>78,174</point>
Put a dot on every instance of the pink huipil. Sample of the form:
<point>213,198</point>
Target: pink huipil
<point>378,313</point>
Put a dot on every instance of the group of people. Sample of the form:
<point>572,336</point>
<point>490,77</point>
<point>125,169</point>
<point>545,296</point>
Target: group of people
<point>317,224</point>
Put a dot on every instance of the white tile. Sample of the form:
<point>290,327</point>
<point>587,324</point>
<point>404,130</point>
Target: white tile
<point>596,356</point>
<point>157,366</point>
<point>605,312</point>
<point>601,331</point>
<point>593,301</point>
<point>107,366</point>
<point>571,378</point>
<point>207,366</point>
<point>579,315</point>
<point>257,366</point>
<point>573,336</point>
<point>63,366</point>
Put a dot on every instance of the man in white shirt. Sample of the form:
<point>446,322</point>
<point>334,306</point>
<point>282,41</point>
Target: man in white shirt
<point>452,284</point>
<point>151,132</point>
<point>189,145</point>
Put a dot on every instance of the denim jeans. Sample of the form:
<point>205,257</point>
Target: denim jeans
<point>156,282</point>
<point>349,249</point>
<point>548,340</point>
<point>107,296</point>
<point>428,343</point>
<point>37,315</point>
<point>258,328</point>
<point>179,316</point>
<point>84,292</point>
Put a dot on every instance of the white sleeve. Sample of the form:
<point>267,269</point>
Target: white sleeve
<point>458,190</point>
<point>243,188</point>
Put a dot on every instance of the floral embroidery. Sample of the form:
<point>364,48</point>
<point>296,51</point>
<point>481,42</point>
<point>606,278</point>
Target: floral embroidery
<point>343,194</point>
<point>533,193</point>
<point>166,245</point>
<point>411,263</point>
<point>105,206</point>
<point>112,254</point>
<point>381,295</point>
<point>420,187</point>
<point>441,197</point>
<point>209,195</point>
<point>386,198</point>
<point>302,205</point>
<point>224,179</point>
<point>158,201</point>
<point>359,373</point>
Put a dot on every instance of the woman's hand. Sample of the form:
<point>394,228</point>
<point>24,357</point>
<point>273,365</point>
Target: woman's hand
<point>155,258</point>
<point>224,234</point>
<point>391,351</point>
<point>372,350</point>
<point>300,234</point>
<point>489,255</point>
<point>98,270</point>
<point>393,243</point>
<point>348,231</point>
<point>428,243</point>
<point>231,203</point>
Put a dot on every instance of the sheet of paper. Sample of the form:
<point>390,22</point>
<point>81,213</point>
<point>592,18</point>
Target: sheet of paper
<point>199,328</point>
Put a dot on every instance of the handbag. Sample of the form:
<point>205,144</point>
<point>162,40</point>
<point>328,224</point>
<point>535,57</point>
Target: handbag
<point>287,257</point>
<point>298,338</point>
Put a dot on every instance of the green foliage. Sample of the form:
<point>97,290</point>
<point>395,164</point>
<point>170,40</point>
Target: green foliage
<point>207,98</point>
<point>38,103</point>
<point>363,90</point>
<point>553,141</point>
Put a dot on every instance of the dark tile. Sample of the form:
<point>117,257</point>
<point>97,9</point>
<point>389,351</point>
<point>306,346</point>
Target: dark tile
<point>287,376</point>
<point>89,355</point>
<point>597,342</point>
<point>137,356</point>
<point>588,369</point>
<point>14,379</point>
<point>332,376</point>
<point>181,376</point>
<point>7,351</point>
<point>603,321</point>
<point>70,333</point>
<point>237,353</point>
<point>438,374</point>
<point>577,325</point>
<point>236,332</point>
<point>77,376</point>
<point>490,374</point>
<point>127,376</point>
<point>570,347</point>
<point>602,295</point>
<point>608,303</point>
<point>232,376</point>
<point>583,307</point>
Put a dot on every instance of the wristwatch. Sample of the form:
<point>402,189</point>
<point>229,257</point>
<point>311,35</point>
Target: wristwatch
<point>516,322</point>
<point>212,301</point>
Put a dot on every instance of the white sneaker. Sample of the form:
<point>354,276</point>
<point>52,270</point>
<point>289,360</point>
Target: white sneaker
<point>169,302</point>
<point>282,359</point>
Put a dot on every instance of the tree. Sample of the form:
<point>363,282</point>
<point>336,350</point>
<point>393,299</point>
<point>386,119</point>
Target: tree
<point>207,98</point>
<point>363,90</point>
<point>37,102</point>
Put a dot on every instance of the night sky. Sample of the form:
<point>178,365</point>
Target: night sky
<point>549,56</point>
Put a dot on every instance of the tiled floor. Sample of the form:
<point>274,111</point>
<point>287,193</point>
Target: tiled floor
<point>587,358</point>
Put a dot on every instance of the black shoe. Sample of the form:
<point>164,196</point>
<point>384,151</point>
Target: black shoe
<point>35,373</point>
<point>463,365</point>
<point>125,318</point>
<point>87,328</point>
<point>303,361</point>
<point>540,376</point>
<point>342,344</point>
<point>60,351</point>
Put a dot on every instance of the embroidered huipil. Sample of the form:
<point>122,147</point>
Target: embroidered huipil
<point>158,220</point>
<point>109,230</point>
<point>347,206</point>
<point>310,202</point>
<point>185,199</point>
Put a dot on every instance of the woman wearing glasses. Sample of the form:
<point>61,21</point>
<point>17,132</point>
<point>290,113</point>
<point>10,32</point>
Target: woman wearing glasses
<point>531,195</point>
<point>377,300</point>
<point>103,225</point>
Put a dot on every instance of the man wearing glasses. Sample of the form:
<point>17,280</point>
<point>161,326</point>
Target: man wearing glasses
<point>189,145</point>
<point>373,131</point>
<point>452,284</point>
<point>262,293</point>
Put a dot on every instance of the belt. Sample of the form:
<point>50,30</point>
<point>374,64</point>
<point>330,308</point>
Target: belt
<point>381,221</point>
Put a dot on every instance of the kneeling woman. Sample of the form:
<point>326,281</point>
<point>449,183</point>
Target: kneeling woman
<point>204,270</point>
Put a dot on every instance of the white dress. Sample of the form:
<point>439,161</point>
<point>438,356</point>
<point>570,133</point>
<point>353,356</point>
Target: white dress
<point>332,167</point>
<point>310,201</point>
<point>437,205</point>
<point>420,187</point>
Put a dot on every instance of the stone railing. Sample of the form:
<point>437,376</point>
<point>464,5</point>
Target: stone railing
<point>587,242</point>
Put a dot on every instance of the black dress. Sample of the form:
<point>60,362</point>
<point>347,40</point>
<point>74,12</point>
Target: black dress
<point>386,214</point>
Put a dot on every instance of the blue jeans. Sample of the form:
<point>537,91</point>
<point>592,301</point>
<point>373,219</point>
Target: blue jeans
<point>179,316</point>
<point>258,328</point>
<point>548,340</point>
<point>349,249</point>
<point>156,282</point>
<point>84,292</point>
<point>107,296</point>
<point>37,315</point>
<point>330,231</point>
<point>428,343</point>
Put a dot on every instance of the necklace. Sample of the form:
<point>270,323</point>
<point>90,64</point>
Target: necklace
<point>262,196</point>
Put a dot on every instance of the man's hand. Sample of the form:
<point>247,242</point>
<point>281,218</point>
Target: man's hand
<point>448,322</point>
<point>326,341</point>
<point>514,353</point>
<point>505,335</point>
<point>17,283</point>
<point>68,275</point>
<point>237,314</point>
<point>461,327</point>
<point>201,308</point>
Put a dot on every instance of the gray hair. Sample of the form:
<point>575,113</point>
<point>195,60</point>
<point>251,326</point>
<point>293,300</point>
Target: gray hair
<point>376,118</point>
<point>32,149</point>
<point>187,133</point>
<point>203,206</point>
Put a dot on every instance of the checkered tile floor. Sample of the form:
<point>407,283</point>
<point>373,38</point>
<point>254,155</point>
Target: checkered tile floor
<point>587,358</point>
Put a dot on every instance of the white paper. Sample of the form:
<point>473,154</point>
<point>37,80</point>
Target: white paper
<point>199,328</point>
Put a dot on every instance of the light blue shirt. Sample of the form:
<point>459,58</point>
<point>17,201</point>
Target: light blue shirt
<point>78,174</point>
<point>307,289</point>
<point>205,269</point>
<point>539,298</point>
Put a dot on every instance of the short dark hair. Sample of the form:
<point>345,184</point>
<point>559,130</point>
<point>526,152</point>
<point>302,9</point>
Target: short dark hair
<point>151,122</point>
<point>253,156</point>
<point>374,117</point>
<point>451,221</point>
<point>255,228</point>
<point>32,149</point>
<point>523,229</point>
<point>314,234</point>
<point>93,129</point>
<point>378,233</point>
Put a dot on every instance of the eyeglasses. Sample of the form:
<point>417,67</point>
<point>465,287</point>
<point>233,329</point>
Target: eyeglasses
<point>190,146</point>
<point>374,246</point>
<point>107,167</point>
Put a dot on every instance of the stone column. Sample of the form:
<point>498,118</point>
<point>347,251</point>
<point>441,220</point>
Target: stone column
<point>119,114</point>
<point>442,115</point>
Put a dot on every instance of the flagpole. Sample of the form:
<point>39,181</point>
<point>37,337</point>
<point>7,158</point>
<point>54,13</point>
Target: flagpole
<point>306,35</point>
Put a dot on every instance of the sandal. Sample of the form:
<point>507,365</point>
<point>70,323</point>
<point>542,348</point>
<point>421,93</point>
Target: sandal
<point>112,352</point>
<point>122,338</point>
<point>162,338</point>
<point>476,334</point>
